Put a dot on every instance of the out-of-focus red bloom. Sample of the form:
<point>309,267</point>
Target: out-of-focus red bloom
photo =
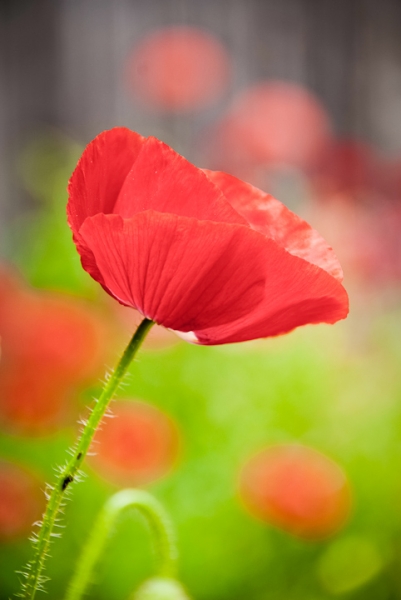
<point>297,489</point>
<point>21,501</point>
<point>367,238</point>
<point>354,170</point>
<point>138,445</point>
<point>198,252</point>
<point>50,343</point>
<point>360,213</point>
<point>348,167</point>
<point>390,179</point>
<point>30,398</point>
<point>179,69</point>
<point>270,122</point>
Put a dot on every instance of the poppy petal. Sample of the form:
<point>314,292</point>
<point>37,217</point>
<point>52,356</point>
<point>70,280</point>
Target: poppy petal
<point>162,180</point>
<point>296,293</point>
<point>100,174</point>
<point>182,273</point>
<point>273,219</point>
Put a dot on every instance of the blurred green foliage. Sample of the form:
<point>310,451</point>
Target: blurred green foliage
<point>336,389</point>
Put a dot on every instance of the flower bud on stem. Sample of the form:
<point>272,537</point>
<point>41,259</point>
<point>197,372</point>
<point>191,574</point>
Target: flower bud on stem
<point>34,578</point>
<point>160,527</point>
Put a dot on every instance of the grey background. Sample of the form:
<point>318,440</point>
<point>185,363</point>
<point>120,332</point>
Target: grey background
<point>62,64</point>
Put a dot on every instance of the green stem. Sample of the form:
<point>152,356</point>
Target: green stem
<point>160,526</point>
<point>34,580</point>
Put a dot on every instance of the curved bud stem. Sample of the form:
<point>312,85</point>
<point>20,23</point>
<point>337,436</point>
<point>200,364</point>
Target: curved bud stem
<point>70,472</point>
<point>160,526</point>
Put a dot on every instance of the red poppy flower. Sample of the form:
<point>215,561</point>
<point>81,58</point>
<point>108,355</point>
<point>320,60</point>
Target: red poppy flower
<point>297,489</point>
<point>197,251</point>
<point>21,501</point>
<point>139,444</point>
<point>349,168</point>
<point>31,399</point>
<point>50,344</point>
<point>270,122</point>
<point>55,330</point>
<point>390,179</point>
<point>179,68</point>
<point>368,238</point>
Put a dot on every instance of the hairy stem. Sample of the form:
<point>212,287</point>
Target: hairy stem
<point>34,578</point>
<point>160,526</point>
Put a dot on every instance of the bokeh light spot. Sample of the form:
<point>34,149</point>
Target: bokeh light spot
<point>349,563</point>
<point>137,445</point>
<point>21,501</point>
<point>297,489</point>
<point>179,69</point>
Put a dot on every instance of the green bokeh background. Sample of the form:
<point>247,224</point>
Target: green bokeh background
<point>335,388</point>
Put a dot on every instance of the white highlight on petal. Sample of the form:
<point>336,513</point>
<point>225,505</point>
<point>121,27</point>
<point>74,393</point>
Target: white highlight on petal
<point>187,336</point>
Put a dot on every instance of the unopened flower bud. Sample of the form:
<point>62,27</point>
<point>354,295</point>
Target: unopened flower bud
<point>160,588</point>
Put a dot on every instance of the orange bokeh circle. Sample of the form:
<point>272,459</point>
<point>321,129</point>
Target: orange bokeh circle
<point>298,489</point>
<point>138,444</point>
<point>21,501</point>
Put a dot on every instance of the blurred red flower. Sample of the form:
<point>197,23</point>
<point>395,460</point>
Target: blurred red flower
<point>297,489</point>
<point>21,501</point>
<point>199,252</point>
<point>390,179</point>
<point>350,168</point>
<point>271,122</point>
<point>50,344</point>
<point>367,237</point>
<point>179,69</point>
<point>361,212</point>
<point>137,445</point>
